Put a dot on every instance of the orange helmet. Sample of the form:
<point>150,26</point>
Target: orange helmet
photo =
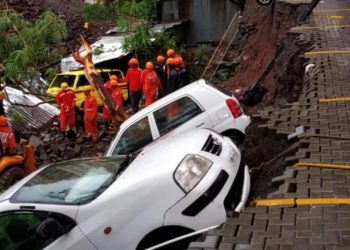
<point>170,52</point>
<point>114,82</point>
<point>113,77</point>
<point>170,61</point>
<point>149,65</point>
<point>133,61</point>
<point>3,120</point>
<point>160,58</point>
<point>178,60</point>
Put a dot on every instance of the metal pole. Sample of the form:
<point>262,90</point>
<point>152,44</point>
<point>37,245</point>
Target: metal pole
<point>181,238</point>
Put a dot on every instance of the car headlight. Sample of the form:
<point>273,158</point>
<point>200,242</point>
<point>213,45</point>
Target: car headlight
<point>190,171</point>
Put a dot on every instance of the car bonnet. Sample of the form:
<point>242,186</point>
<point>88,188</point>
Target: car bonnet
<point>169,150</point>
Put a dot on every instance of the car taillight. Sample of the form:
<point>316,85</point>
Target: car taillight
<point>234,108</point>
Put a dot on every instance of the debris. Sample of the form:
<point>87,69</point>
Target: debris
<point>77,149</point>
<point>253,95</point>
<point>35,141</point>
<point>61,147</point>
<point>298,131</point>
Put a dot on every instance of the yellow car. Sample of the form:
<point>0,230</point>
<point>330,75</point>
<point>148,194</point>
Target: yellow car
<point>77,81</point>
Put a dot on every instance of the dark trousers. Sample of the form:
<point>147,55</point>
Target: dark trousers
<point>135,97</point>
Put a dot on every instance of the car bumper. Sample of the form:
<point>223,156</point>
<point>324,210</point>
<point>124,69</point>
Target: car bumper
<point>242,122</point>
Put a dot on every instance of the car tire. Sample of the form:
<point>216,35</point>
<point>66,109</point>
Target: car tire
<point>11,176</point>
<point>161,235</point>
<point>264,2</point>
<point>236,137</point>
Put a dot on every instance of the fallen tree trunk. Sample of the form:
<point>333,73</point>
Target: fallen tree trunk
<point>95,78</point>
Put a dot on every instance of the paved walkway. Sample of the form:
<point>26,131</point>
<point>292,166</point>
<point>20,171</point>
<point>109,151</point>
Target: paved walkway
<point>327,141</point>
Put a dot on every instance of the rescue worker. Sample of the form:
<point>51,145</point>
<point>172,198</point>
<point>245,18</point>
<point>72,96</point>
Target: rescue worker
<point>133,77</point>
<point>172,82</point>
<point>171,54</point>
<point>7,137</point>
<point>117,96</point>
<point>108,86</point>
<point>65,99</point>
<point>160,70</point>
<point>181,71</point>
<point>90,115</point>
<point>150,84</point>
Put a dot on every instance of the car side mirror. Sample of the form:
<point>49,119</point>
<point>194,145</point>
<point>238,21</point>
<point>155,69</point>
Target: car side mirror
<point>50,229</point>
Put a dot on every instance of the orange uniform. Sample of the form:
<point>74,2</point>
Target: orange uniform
<point>117,96</point>
<point>150,86</point>
<point>90,114</point>
<point>65,100</point>
<point>8,142</point>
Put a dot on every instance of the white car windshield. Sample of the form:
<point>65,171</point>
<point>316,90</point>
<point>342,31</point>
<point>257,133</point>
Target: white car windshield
<point>72,182</point>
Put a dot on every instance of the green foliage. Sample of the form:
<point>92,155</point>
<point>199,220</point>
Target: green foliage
<point>25,47</point>
<point>99,12</point>
<point>141,9</point>
<point>200,57</point>
<point>120,10</point>
<point>50,73</point>
<point>147,43</point>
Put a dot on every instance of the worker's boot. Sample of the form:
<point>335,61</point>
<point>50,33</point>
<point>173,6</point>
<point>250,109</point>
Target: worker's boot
<point>71,134</point>
<point>94,138</point>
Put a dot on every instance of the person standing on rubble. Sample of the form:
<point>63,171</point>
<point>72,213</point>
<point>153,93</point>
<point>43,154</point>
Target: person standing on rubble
<point>108,86</point>
<point>181,71</point>
<point>7,137</point>
<point>90,115</point>
<point>160,70</point>
<point>65,99</point>
<point>150,84</point>
<point>172,82</point>
<point>133,77</point>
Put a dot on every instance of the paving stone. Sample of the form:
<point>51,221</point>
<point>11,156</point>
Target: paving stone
<point>328,238</point>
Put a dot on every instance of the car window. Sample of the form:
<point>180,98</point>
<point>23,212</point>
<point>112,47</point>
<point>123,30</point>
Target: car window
<point>105,76</point>
<point>82,81</point>
<point>135,137</point>
<point>19,231</point>
<point>175,114</point>
<point>73,182</point>
<point>69,79</point>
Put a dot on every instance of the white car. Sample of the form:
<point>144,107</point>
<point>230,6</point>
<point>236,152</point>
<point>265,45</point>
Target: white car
<point>174,186</point>
<point>195,105</point>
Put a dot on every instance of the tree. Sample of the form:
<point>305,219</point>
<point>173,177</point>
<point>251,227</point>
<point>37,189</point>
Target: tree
<point>135,16</point>
<point>95,78</point>
<point>27,47</point>
<point>147,43</point>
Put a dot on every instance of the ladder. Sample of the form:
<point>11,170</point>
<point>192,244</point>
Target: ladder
<point>221,49</point>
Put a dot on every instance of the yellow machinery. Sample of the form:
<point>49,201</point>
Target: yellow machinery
<point>14,168</point>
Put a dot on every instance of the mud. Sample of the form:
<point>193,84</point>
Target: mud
<point>266,41</point>
<point>70,11</point>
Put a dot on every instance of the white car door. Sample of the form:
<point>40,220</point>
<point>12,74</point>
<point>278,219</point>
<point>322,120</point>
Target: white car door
<point>134,137</point>
<point>180,115</point>
<point>40,230</point>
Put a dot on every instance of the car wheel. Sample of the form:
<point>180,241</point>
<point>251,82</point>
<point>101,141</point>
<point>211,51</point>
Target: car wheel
<point>161,235</point>
<point>236,136</point>
<point>264,2</point>
<point>10,177</point>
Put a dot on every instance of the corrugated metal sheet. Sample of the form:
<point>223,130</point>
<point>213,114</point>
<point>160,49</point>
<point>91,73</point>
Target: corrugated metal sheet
<point>27,116</point>
<point>110,47</point>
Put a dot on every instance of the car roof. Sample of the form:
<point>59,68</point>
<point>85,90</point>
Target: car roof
<point>161,102</point>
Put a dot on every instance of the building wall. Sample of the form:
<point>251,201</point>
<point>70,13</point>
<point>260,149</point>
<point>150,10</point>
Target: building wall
<point>208,19</point>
